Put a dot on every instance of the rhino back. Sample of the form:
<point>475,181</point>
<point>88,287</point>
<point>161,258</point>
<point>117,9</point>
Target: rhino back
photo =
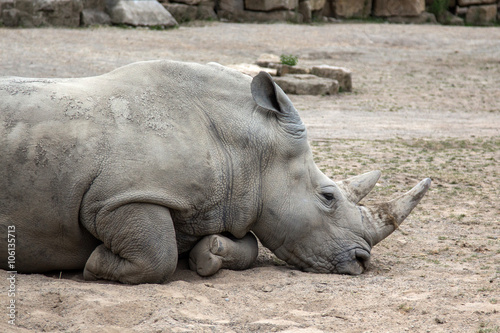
<point>156,131</point>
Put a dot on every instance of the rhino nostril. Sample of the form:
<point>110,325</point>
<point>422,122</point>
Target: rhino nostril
<point>363,258</point>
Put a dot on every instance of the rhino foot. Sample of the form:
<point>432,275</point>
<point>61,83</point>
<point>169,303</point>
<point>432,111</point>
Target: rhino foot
<point>214,252</point>
<point>142,249</point>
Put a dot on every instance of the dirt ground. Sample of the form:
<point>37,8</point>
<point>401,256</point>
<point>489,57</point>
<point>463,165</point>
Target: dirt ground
<point>426,103</point>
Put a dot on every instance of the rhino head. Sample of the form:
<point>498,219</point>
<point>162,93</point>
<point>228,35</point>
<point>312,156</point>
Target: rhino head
<point>307,219</point>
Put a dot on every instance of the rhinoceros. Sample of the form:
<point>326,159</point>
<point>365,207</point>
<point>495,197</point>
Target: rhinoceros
<point>121,173</point>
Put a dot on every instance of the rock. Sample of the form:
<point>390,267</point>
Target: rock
<point>481,15</point>
<point>28,13</point>
<point>231,5</point>
<point>340,74</point>
<point>255,16</point>
<point>317,5</point>
<point>266,59</point>
<point>188,2</point>
<point>268,5</point>
<point>251,69</point>
<point>13,17</point>
<point>182,12</point>
<point>22,14</point>
<point>94,17</point>
<point>387,8</point>
<point>94,4</point>
<point>448,18</point>
<point>464,3</point>
<point>283,70</point>
<point>306,10</point>
<point>62,13</point>
<point>229,9</point>
<point>424,18</point>
<point>306,84</point>
<point>351,8</point>
<point>139,13</point>
<point>6,4</point>
<point>206,11</point>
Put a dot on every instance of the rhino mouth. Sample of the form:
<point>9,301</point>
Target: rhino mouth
<point>353,261</point>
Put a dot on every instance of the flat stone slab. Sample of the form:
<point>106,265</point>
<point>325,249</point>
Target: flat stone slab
<point>341,74</point>
<point>306,84</point>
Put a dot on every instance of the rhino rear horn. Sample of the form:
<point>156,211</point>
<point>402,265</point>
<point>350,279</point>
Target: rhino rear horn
<point>268,95</point>
<point>356,188</point>
<point>388,216</point>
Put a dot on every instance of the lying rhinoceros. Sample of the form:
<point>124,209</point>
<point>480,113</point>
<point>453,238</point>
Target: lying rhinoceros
<point>119,174</point>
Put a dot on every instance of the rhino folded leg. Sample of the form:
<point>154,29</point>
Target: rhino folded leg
<point>138,245</point>
<point>214,252</point>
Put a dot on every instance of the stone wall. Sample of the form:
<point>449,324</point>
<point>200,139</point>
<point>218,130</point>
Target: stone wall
<point>168,13</point>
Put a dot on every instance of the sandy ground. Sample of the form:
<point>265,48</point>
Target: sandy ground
<point>426,103</point>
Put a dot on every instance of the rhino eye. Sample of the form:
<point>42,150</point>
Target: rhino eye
<point>329,196</point>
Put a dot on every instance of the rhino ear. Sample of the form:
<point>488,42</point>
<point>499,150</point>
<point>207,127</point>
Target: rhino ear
<point>268,95</point>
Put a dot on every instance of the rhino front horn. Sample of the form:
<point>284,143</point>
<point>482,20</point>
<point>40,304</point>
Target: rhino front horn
<point>388,216</point>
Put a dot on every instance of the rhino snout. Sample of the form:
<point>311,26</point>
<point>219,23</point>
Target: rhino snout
<point>357,262</point>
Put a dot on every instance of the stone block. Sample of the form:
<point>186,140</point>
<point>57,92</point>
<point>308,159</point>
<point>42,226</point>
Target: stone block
<point>462,11</point>
<point>269,5</point>
<point>255,16</point>
<point>424,18</point>
<point>306,10</point>
<point>317,4</point>
<point>187,2</point>
<point>94,17</point>
<point>231,5</point>
<point>97,5</point>
<point>287,69</point>
<point>351,8</point>
<point>25,6</point>
<point>206,11</point>
<point>139,13</point>
<point>481,15</point>
<point>182,12</point>
<point>340,74</point>
<point>385,8</point>
<point>464,3</point>
<point>62,13</point>
<point>268,60</point>
<point>229,9</point>
<point>6,4</point>
<point>448,18</point>
<point>306,84</point>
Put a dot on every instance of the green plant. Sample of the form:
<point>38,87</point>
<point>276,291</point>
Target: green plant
<point>289,59</point>
<point>438,7</point>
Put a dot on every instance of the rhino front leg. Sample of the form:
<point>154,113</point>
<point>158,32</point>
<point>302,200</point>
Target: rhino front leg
<point>214,252</point>
<point>139,245</point>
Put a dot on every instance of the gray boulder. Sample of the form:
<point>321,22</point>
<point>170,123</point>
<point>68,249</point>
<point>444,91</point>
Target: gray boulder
<point>387,8</point>
<point>340,74</point>
<point>182,12</point>
<point>268,5</point>
<point>351,8</point>
<point>481,15</point>
<point>424,18</point>
<point>139,13</point>
<point>474,2</point>
<point>94,17</point>
<point>206,10</point>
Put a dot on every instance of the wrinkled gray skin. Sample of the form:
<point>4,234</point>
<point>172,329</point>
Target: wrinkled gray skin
<point>118,174</point>
<point>217,251</point>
